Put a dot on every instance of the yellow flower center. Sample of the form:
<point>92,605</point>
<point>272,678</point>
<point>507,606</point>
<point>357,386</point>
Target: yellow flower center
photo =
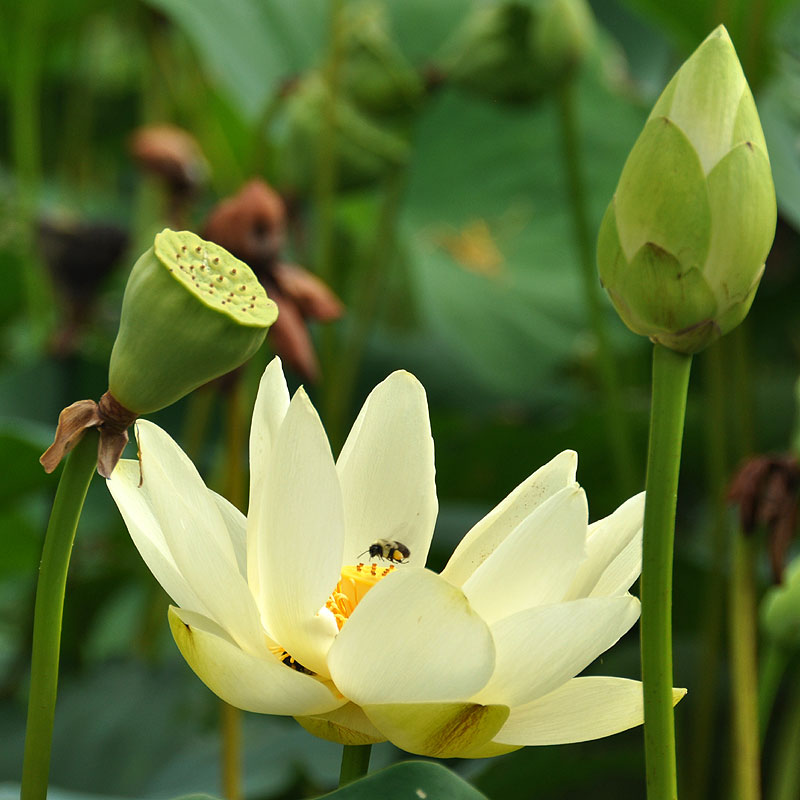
<point>355,582</point>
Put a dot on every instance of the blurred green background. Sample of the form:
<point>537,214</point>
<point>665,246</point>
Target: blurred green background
<point>454,213</point>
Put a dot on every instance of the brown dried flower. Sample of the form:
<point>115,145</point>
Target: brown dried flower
<point>766,491</point>
<point>252,226</point>
<point>173,155</point>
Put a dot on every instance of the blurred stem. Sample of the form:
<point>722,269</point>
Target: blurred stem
<point>742,631</point>
<point>742,397</point>
<point>72,487</point>
<point>617,424</point>
<point>25,104</point>
<point>703,722</point>
<point>364,309</point>
<point>774,660</point>
<point>786,773</point>
<point>355,762</point>
<point>667,411</point>
<point>327,174</point>
<point>231,730</point>
<point>234,490</point>
<point>196,419</point>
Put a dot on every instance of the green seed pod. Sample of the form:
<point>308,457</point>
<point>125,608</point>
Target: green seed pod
<point>682,246</point>
<point>515,52</point>
<point>780,610</point>
<point>375,75</point>
<point>191,312</point>
<point>365,150</point>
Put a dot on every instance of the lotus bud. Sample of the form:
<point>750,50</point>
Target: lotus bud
<point>682,246</point>
<point>375,75</point>
<point>365,150</point>
<point>780,610</point>
<point>191,312</point>
<point>515,52</point>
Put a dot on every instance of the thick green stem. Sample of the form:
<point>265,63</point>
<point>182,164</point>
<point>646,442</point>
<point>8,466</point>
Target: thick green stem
<point>743,634</point>
<point>667,411</point>
<point>702,734</point>
<point>774,660</point>
<point>70,495</point>
<point>355,762</point>
<point>617,421</point>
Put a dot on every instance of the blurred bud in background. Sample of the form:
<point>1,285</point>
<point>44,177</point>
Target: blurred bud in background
<point>174,157</point>
<point>79,256</point>
<point>516,52</point>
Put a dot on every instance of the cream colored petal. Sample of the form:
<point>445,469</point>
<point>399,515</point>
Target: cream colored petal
<point>622,572</point>
<point>262,685</point>
<point>300,546</point>
<point>608,538</point>
<point>439,730</point>
<point>272,403</point>
<point>489,532</point>
<point>580,710</point>
<point>236,525</point>
<point>386,469</point>
<point>196,535</point>
<point>346,725</point>
<point>535,564</point>
<point>146,533</point>
<point>542,648</point>
<point>413,638</point>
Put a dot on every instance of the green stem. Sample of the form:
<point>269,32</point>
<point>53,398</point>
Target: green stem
<point>786,774</point>
<point>363,311</point>
<point>702,737</point>
<point>231,735</point>
<point>355,762</point>
<point>25,104</point>
<point>70,495</point>
<point>327,177</point>
<point>774,660</point>
<point>667,411</point>
<point>617,421</point>
<point>743,634</point>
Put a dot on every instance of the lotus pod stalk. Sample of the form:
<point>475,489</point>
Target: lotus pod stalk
<point>683,243</point>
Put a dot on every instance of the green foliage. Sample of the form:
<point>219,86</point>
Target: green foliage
<point>424,778</point>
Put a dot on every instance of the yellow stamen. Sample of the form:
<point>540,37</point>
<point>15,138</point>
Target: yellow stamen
<point>355,582</point>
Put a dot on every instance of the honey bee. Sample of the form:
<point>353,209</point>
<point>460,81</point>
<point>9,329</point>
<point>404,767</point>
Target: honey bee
<point>388,550</point>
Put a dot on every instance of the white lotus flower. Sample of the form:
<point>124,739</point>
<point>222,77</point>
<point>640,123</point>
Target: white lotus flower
<point>280,613</point>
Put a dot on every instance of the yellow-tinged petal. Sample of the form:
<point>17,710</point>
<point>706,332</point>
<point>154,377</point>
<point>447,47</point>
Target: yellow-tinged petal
<point>439,730</point>
<point>262,685</point>
<point>272,403</point>
<point>489,532</point>
<point>301,537</point>
<point>145,530</point>
<point>196,534</point>
<point>608,539</point>
<point>236,526</point>
<point>346,725</point>
<point>541,648</point>
<point>387,473</point>
<point>413,638</point>
<point>580,710</point>
<point>536,563</point>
